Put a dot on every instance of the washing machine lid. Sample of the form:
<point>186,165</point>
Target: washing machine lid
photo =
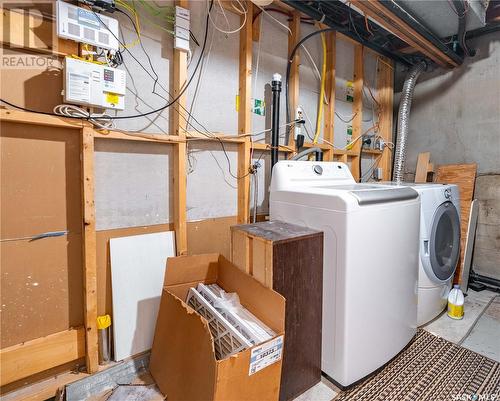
<point>444,241</point>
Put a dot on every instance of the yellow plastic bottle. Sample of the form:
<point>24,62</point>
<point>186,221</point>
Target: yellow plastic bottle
<point>456,303</point>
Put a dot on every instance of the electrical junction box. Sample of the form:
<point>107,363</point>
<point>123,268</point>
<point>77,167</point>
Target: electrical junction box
<point>93,84</point>
<point>181,28</point>
<point>82,25</point>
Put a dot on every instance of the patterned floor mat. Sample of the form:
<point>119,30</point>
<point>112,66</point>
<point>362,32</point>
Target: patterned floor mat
<point>433,369</point>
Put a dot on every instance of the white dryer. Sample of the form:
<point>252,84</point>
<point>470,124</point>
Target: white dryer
<point>439,246</point>
<point>370,258</point>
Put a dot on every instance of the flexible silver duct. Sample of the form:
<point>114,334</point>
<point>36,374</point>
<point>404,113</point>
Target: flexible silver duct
<point>306,152</point>
<point>403,119</point>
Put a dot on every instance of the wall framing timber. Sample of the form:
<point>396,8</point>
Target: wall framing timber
<point>82,342</point>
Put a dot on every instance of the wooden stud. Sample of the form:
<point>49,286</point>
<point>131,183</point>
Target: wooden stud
<point>179,121</point>
<point>245,117</point>
<point>89,250</point>
<point>422,167</point>
<point>329,118</point>
<point>385,90</point>
<point>23,360</point>
<point>357,108</point>
<point>293,83</point>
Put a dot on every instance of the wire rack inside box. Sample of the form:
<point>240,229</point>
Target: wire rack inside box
<point>227,340</point>
<point>243,320</point>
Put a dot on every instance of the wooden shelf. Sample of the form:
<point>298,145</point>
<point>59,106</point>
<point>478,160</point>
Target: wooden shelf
<point>373,151</point>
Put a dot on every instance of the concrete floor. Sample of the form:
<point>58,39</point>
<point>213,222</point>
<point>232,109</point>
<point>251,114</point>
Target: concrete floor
<point>478,331</point>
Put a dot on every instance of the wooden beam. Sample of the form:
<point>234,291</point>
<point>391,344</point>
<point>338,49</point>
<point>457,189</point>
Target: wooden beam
<point>89,250</point>
<point>245,117</point>
<point>357,109</point>
<point>23,360</point>
<point>293,83</point>
<point>393,23</point>
<point>25,117</point>
<point>329,118</point>
<point>385,90</point>
<point>138,136</point>
<point>180,127</point>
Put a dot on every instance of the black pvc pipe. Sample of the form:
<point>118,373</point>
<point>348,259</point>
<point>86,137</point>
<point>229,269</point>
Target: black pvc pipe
<point>275,118</point>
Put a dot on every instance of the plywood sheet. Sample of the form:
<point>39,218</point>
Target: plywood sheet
<point>210,235</point>
<point>40,177</point>
<point>41,284</point>
<point>463,175</point>
<point>41,288</point>
<point>137,270</point>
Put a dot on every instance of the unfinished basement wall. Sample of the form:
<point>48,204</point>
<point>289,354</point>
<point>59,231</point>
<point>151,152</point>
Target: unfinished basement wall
<point>456,116</point>
<point>133,180</point>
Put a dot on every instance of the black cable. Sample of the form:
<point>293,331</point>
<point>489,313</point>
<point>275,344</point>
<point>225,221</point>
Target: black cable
<point>186,85</point>
<point>155,78</point>
<point>143,49</point>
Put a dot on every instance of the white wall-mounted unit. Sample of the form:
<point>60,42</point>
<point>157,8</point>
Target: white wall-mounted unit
<point>82,25</point>
<point>93,84</point>
<point>182,23</point>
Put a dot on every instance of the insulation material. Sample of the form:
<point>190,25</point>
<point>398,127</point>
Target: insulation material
<point>211,187</point>
<point>133,184</point>
<point>137,270</point>
<point>215,105</point>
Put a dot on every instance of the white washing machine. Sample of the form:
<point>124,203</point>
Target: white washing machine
<point>370,258</point>
<point>439,246</point>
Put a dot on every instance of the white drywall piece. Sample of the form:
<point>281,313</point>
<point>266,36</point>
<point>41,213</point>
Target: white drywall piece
<point>137,271</point>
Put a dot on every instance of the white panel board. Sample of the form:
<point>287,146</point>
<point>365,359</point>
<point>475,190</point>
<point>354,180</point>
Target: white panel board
<point>137,272</point>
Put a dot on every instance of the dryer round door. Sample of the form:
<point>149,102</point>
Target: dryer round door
<point>444,241</point>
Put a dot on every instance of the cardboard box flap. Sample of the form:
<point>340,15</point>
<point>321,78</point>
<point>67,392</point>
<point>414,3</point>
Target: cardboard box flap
<point>191,269</point>
<point>266,304</point>
<point>182,358</point>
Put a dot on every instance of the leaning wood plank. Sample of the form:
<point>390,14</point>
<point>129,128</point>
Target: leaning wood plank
<point>89,249</point>
<point>469,246</point>
<point>26,359</point>
<point>464,175</point>
<point>422,167</point>
<point>245,117</point>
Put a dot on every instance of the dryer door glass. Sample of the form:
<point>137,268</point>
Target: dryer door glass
<point>445,241</point>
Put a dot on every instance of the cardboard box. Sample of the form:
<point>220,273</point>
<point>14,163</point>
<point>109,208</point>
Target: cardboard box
<point>183,360</point>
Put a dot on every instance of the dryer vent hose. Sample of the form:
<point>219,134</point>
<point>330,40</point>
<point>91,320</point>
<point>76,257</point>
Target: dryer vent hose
<point>403,119</point>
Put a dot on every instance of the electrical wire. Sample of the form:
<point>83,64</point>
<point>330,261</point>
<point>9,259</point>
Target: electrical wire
<point>228,32</point>
<point>101,120</point>
<point>319,116</point>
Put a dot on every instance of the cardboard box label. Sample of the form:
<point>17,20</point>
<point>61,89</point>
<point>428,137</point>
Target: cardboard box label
<point>265,354</point>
